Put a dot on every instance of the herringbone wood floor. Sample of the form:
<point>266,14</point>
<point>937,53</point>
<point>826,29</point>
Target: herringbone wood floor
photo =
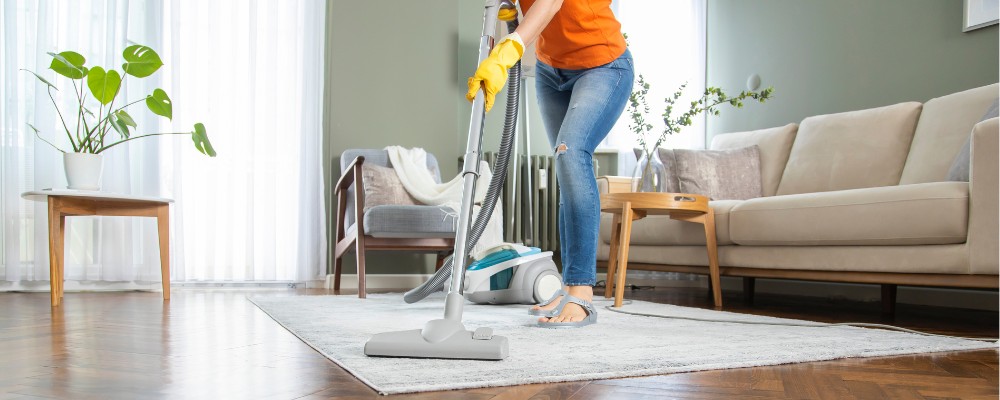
<point>206,344</point>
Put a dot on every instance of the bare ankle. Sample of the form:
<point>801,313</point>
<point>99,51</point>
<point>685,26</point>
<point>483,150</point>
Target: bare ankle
<point>582,292</point>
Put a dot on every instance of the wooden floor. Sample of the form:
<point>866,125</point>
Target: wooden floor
<point>213,344</point>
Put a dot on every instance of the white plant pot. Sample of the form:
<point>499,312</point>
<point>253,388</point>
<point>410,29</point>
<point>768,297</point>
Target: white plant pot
<point>83,170</point>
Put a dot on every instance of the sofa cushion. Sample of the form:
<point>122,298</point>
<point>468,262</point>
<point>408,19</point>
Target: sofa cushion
<point>774,145</point>
<point>658,230</point>
<point>943,128</point>
<point>926,213</point>
<point>932,259</point>
<point>394,221</point>
<point>720,174</point>
<point>850,150</point>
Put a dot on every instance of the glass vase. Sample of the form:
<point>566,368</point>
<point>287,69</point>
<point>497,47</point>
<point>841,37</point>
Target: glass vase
<point>650,174</point>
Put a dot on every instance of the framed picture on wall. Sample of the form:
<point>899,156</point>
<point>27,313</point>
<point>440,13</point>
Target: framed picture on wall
<point>980,13</point>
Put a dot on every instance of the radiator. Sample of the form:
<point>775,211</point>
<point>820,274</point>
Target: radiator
<point>531,218</point>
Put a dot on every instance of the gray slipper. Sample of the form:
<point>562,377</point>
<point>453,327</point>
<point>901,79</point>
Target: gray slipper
<point>549,313</point>
<point>587,307</point>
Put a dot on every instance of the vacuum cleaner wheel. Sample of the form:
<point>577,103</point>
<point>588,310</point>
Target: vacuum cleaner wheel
<point>546,284</point>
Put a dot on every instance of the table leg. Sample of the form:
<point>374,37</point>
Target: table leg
<point>56,231</point>
<point>616,229</point>
<point>163,228</point>
<point>713,258</point>
<point>61,283</point>
<point>625,233</point>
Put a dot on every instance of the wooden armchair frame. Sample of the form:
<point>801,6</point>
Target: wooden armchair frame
<point>361,242</point>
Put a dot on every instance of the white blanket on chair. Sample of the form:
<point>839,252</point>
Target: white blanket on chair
<point>411,167</point>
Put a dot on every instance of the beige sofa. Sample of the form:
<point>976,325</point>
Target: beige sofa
<point>852,197</point>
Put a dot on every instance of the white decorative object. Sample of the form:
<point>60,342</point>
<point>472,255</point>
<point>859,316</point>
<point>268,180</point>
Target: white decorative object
<point>980,13</point>
<point>753,82</point>
<point>83,170</point>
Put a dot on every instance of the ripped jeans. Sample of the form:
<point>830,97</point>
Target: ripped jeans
<point>578,108</point>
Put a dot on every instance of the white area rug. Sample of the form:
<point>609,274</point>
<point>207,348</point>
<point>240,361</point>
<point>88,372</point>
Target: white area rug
<point>618,346</point>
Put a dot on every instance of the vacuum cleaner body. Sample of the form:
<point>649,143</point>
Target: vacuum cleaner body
<point>529,278</point>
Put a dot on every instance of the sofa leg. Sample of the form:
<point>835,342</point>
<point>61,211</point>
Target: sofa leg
<point>748,287</point>
<point>888,300</point>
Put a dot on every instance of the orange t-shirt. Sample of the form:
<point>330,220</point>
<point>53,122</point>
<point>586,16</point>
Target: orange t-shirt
<point>582,34</point>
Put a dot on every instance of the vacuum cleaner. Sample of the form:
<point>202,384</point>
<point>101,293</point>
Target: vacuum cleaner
<point>512,274</point>
<point>447,337</point>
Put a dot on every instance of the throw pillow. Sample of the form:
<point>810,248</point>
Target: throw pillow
<point>774,143</point>
<point>720,174</point>
<point>383,187</point>
<point>959,170</point>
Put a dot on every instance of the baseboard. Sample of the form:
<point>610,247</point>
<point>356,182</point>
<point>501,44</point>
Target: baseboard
<point>80,286</point>
<point>408,281</point>
<point>104,286</point>
<point>957,298</point>
<point>380,281</point>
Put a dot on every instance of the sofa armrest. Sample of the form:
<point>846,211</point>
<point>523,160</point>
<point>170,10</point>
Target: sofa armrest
<point>984,200</point>
<point>614,184</point>
<point>351,176</point>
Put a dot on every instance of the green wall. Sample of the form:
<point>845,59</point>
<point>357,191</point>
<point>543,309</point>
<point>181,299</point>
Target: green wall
<point>833,56</point>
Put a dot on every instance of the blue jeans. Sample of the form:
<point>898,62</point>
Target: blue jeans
<point>578,108</point>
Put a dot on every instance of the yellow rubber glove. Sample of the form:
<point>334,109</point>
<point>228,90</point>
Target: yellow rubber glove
<point>507,14</point>
<point>492,72</point>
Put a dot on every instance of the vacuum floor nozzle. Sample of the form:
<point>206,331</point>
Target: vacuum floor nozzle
<point>461,345</point>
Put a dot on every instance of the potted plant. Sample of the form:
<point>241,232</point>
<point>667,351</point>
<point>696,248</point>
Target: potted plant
<point>92,134</point>
<point>650,174</point>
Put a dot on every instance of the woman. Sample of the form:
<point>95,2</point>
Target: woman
<point>584,78</point>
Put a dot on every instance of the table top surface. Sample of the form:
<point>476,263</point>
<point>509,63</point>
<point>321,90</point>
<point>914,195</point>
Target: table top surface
<point>654,201</point>
<point>42,195</point>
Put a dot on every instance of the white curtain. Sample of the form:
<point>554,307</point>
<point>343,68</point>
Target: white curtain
<point>250,71</point>
<point>667,41</point>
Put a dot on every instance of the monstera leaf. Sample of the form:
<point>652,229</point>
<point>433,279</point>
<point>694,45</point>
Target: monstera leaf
<point>119,125</point>
<point>68,64</point>
<point>49,84</point>
<point>200,138</point>
<point>140,61</point>
<point>160,104</point>
<point>103,85</point>
<point>121,121</point>
<point>126,118</point>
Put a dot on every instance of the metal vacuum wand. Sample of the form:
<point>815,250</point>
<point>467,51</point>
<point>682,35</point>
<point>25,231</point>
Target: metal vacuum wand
<point>447,337</point>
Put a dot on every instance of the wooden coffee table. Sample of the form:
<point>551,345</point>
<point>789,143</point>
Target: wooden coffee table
<point>69,203</point>
<point>631,206</point>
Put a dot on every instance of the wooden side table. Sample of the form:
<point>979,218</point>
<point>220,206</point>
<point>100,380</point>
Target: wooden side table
<point>71,203</point>
<point>631,206</point>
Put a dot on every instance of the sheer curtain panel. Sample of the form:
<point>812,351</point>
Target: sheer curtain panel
<point>250,71</point>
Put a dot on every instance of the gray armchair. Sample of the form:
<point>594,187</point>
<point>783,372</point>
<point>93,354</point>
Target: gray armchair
<point>414,228</point>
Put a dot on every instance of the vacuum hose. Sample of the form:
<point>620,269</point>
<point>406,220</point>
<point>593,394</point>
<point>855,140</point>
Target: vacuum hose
<point>443,274</point>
